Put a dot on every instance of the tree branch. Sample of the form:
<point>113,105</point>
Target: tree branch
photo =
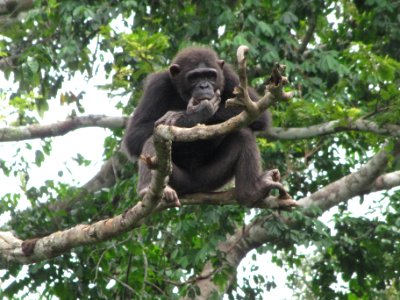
<point>312,22</point>
<point>278,133</point>
<point>384,182</point>
<point>8,134</point>
<point>60,128</point>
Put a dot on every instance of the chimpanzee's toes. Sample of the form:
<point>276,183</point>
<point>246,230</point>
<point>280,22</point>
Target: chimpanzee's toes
<point>287,204</point>
<point>171,196</point>
<point>273,175</point>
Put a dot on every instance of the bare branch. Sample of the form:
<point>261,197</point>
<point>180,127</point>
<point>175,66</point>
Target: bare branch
<point>241,92</point>
<point>384,182</point>
<point>14,250</point>
<point>8,134</point>
<point>312,22</point>
<point>60,128</point>
<point>279,133</point>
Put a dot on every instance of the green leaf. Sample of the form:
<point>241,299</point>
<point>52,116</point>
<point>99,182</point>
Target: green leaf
<point>265,28</point>
<point>39,158</point>
<point>33,65</point>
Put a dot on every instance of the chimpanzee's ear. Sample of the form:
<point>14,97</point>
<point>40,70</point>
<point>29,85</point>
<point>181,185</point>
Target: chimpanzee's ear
<point>221,63</point>
<point>174,69</point>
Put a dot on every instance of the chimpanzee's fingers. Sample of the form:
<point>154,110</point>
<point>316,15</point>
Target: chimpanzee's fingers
<point>217,97</point>
<point>216,100</point>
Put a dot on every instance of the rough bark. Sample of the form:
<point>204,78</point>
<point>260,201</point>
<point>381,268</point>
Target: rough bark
<point>60,128</point>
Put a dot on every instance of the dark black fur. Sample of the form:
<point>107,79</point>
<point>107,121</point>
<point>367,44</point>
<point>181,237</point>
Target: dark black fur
<point>170,97</point>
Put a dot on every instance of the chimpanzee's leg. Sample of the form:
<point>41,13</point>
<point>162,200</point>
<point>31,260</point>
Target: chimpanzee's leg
<point>145,174</point>
<point>237,156</point>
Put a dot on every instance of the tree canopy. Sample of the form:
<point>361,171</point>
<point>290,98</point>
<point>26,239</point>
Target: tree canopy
<point>336,142</point>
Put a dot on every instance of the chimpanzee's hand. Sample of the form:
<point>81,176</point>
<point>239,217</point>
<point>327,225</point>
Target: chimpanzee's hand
<point>201,111</point>
<point>196,112</point>
<point>170,118</point>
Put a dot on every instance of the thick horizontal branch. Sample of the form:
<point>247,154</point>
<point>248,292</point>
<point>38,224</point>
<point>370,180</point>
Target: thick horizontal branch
<point>224,198</point>
<point>14,250</point>
<point>329,128</point>
<point>384,182</point>
<point>8,134</point>
<point>351,185</point>
<point>60,128</point>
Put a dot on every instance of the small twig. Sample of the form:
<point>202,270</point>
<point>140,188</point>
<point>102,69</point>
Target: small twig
<point>194,279</point>
<point>145,267</point>
<point>157,288</point>
<point>242,97</point>
<point>312,22</point>
<point>128,270</point>
<point>123,284</point>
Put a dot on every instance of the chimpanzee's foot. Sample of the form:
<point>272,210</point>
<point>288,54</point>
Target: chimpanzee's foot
<point>271,180</point>
<point>273,175</point>
<point>169,195</point>
<point>276,203</point>
<point>287,204</point>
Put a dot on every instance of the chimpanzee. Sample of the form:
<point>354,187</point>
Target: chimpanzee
<point>194,90</point>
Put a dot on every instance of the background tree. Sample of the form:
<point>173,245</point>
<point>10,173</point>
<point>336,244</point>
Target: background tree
<point>335,140</point>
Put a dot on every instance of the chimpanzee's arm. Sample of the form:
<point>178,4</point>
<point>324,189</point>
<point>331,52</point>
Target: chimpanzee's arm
<point>157,99</point>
